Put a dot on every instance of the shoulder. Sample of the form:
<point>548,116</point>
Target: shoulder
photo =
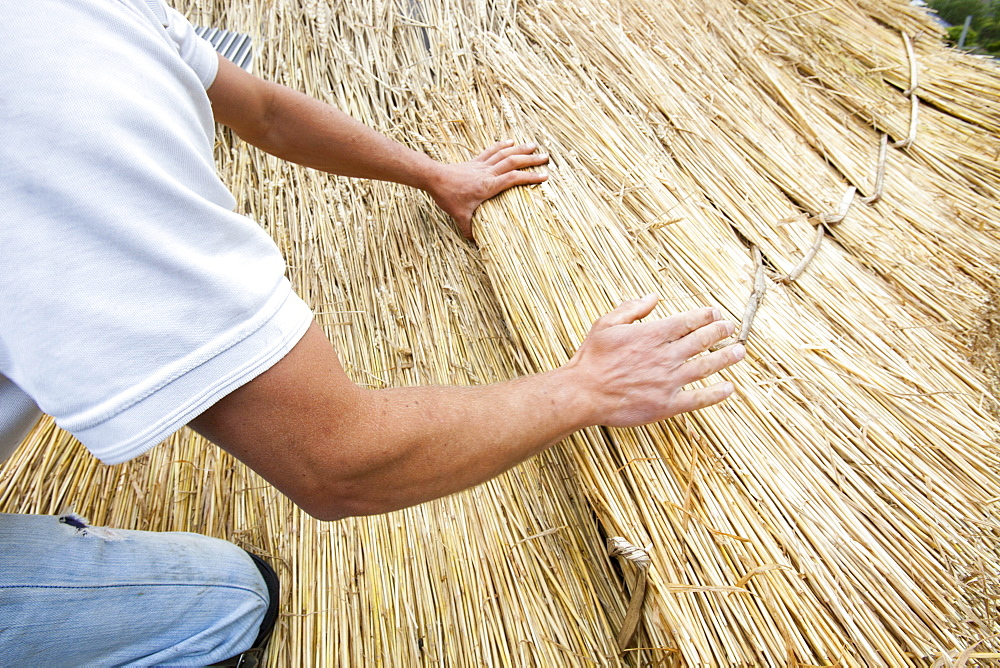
<point>198,53</point>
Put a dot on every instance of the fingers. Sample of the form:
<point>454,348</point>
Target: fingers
<point>700,340</point>
<point>524,156</point>
<point>627,313</point>
<point>488,154</point>
<point>641,370</point>
<point>689,334</point>
<point>692,400</point>
<point>706,365</point>
<point>493,171</point>
<point>678,326</point>
<point>519,161</point>
<point>518,178</point>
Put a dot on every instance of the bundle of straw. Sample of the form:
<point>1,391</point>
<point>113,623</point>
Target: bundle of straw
<point>808,533</point>
<point>840,508</point>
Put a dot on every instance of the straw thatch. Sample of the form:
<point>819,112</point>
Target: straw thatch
<point>840,509</point>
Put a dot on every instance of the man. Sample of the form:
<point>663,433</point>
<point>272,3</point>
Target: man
<point>134,301</point>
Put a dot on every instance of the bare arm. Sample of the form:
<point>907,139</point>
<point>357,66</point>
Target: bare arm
<point>301,129</point>
<point>337,449</point>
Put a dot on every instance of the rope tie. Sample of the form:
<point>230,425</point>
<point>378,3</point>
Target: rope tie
<point>638,557</point>
<point>827,220</point>
<point>759,288</point>
<point>883,151</point>
<point>808,257</point>
<point>911,93</point>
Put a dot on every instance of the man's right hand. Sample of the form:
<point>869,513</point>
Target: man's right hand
<point>631,373</point>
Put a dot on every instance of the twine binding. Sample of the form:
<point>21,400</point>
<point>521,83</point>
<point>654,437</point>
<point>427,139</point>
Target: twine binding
<point>619,547</point>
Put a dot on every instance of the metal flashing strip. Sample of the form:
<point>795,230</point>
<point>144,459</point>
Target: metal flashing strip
<point>235,46</point>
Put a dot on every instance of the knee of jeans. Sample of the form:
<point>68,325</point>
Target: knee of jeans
<point>141,599</point>
<point>238,583</point>
<point>224,611</point>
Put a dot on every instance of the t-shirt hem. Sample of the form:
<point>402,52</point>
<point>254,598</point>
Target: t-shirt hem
<point>125,437</point>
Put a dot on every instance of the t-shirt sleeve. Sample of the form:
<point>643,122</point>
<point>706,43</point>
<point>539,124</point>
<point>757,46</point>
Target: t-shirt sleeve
<point>195,51</point>
<point>133,295</point>
<point>18,414</point>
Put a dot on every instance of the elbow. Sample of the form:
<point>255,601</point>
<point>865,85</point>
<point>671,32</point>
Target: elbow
<point>332,502</point>
<point>325,512</point>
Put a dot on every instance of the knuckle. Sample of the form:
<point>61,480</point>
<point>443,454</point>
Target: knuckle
<point>706,337</point>
<point>602,322</point>
<point>697,320</point>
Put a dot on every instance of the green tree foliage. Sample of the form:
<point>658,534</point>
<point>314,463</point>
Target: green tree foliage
<point>984,33</point>
<point>955,11</point>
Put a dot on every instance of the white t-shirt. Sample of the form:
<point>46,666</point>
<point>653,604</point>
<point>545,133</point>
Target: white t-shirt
<point>132,297</point>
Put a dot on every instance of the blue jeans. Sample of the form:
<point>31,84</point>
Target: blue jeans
<point>73,595</point>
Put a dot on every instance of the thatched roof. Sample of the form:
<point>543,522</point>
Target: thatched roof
<point>842,507</point>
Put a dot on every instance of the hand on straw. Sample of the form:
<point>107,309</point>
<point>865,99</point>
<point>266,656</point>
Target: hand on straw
<point>304,130</point>
<point>634,373</point>
<point>460,188</point>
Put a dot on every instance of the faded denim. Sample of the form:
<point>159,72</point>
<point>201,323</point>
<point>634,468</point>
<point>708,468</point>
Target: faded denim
<point>73,595</point>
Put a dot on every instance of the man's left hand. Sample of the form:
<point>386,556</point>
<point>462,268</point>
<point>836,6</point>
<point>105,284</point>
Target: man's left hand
<point>460,188</point>
<point>295,127</point>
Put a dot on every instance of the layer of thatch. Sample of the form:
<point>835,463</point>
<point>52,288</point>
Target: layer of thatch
<point>841,507</point>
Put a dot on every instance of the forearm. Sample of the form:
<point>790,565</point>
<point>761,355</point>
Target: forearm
<point>304,130</point>
<point>434,441</point>
<point>337,449</point>
<point>300,129</point>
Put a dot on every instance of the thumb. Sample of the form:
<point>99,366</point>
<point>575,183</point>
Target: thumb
<point>628,312</point>
<point>464,223</point>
